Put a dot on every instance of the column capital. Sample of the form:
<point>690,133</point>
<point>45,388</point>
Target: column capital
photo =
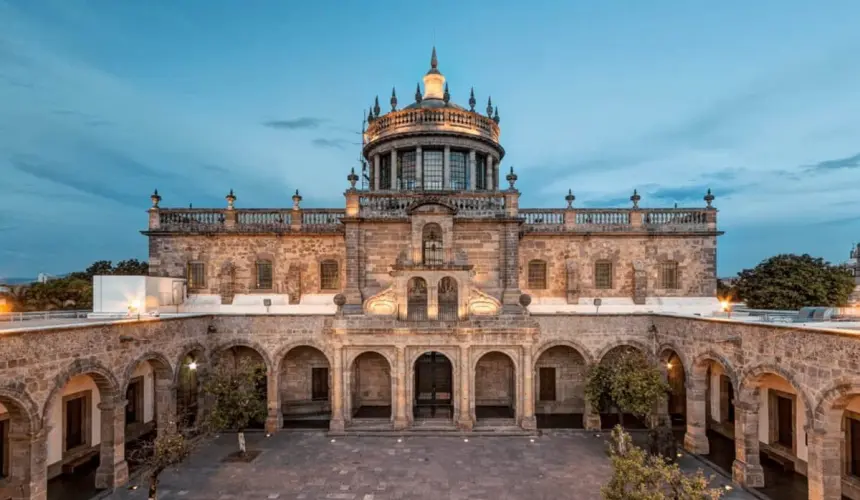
<point>112,404</point>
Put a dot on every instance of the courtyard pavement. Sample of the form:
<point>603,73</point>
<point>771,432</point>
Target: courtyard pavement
<point>306,465</point>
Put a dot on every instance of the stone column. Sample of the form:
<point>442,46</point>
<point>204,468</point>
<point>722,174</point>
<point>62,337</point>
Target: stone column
<point>591,417</point>
<point>375,177</point>
<point>165,406</point>
<point>825,465</point>
<point>746,470</point>
<point>419,168</point>
<point>472,167</point>
<point>352,290</point>
<point>446,168</point>
<point>28,471</point>
<point>273,402</point>
<point>337,424</point>
<point>489,174</point>
<point>528,372</point>
<point>113,469</point>
<point>512,292</point>
<point>465,421</point>
<point>696,439</point>
<point>400,419</point>
<point>393,175</point>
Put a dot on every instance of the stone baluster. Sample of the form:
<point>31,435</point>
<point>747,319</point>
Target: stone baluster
<point>273,402</point>
<point>337,397</point>
<point>746,469</point>
<point>113,469</point>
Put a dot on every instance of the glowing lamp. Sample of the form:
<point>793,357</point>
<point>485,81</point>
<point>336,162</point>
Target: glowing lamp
<point>192,365</point>
<point>669,365</point>
<point>724,305</point>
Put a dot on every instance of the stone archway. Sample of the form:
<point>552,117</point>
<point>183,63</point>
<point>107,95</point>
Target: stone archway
<point>609,418</point>
<point>711,408</point>
<point>370,386</point>
<point>495,387</point>
<point>150,404</point>
<point>675,372</point>
<point>834,442</point>
<point>188,375</point>
<point>305,388</point>
<point>559,390</point>
<point>433,391</point>
<point>23,447</point>
<point>239,355</point>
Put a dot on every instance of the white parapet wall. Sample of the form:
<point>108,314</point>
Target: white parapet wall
<point>256,304</point>
<point>701,306</point>
<point>115,295</point>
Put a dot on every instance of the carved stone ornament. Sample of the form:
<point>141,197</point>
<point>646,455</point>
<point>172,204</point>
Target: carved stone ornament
<point>481,304</point>
<point>383,303</point>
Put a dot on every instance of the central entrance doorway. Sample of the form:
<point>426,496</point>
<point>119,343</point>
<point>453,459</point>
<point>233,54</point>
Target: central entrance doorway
<point>433,387</point>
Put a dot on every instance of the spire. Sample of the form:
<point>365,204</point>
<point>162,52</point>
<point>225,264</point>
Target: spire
<point>376,107</point>
<point>447,95</point>
<point>434,81</point>
<point>417,92</point>
<point>496,115</point>
<point>393,100</point>
<point>472,101</point>
<point>370,115</point>
<point>490,107</point>
<point>434,64</point>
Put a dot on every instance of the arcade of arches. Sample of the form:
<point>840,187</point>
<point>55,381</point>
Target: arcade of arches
<point>88,417</point>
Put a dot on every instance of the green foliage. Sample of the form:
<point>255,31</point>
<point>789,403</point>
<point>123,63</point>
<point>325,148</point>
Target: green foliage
<point>628,383</point>
<point>169,449</point>
<point>637,475</point>
<point>793,281</point>
<point>235,390</point>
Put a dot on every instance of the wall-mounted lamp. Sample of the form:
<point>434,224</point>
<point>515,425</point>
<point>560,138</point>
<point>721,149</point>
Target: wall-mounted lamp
<point>192,365</point>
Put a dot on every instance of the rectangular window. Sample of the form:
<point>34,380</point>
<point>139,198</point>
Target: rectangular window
<point>134,407</point>
<point>329,276</point>
<point>458,170</point>
<point>853,445</point>
<point>547,384</point>
<point>669,275</point>
<point>537,275</point>
<point>480,172</point>
<point>264,275</point>
<point>781,412</point>
<point>727,396</point>
<point>432,176</point>
<point>406,169</point>
<point>603,275</point>
<point>75,419</point>
<point>319,384</point>
<point>4,448</point>
<point>384,172</point>
<point>196,275</point>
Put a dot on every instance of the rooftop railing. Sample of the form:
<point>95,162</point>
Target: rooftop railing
<point>422,119</point>
<point>394,205</point>
<point>655,220</point>
<point>276,220</point>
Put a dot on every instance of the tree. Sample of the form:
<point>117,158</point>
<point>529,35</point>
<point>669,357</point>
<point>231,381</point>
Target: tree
<point>169,449</point>
<point>629,383</point>
<point>237,399</point>
<point>99,268</point>
<point>637,475</point>
<point>131,267</point>
<point>791,282</point>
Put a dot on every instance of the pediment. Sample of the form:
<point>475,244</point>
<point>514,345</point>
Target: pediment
<point>431,205</point>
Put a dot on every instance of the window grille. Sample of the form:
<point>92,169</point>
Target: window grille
<point>458,170</point>
<point>329,276</point>
<point>480,172</point>
<point>537,275</point>
<point>264,275</point>
<point>432,175</point>
<point>416,299</point>
<point>195,273</point>
<point>448,299</point>
<point>669,275</point>
<point>406,167</point>
<point>384,172</point>
<point>433,252</point>
<point>603,275</point>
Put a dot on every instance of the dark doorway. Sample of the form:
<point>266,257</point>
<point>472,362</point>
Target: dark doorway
<point>853,447</point>
<point>433,386</point>
<point>371,386</point>
<point>134,407</point>
<point>75,436</point>
<point>727,400</point>
<point>4,448</point>
<point>547,384</point>
<point>495,387</point>
<point>187,393</point>
<point>784,421</point>
<point>319,384</point>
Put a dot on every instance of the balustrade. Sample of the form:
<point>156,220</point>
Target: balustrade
<point>466,121</point>
<point>611,220</point>
<point>387,205</point>
<point>247,220</point>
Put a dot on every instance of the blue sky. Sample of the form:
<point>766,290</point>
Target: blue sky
<point>101,101</point>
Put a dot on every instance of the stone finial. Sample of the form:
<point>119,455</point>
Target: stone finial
<point>156,198</point>
<point>393,100</point>
<point>418,92</point>
<point>352,178</point>
<point>434,63</point>
<point>447,95</point>
<point>569,198</point>
<point>376,107</point>
<point>190,205</point>
<point>472,100</point>
<point>525,300</point>
<point>709,198</point>
<point>511,178</point>
<point>635,199</point>
<point>490,107</point>
<point>231,199</point>
<point>496,115</point>
<point>340,300</point>
<point>297,198</point>
<point>370,115</point>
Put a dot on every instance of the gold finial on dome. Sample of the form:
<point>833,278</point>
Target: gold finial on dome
<point>434,81</point>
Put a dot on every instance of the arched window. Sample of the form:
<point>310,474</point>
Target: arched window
<point>264,275</point>
<point>603,275</point>
<point>537,275</point>
<point>448,299</point>
<point>329,275</point>
<point>669,275</point>
<point>432,245</point>
<point>416,299</point>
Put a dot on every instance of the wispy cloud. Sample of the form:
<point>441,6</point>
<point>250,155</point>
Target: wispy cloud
<point>837,164</point>
<point>305,122</point>
<point>330,143</point>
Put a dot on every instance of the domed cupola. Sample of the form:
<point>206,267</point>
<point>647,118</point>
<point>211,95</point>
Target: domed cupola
<point>433,144</point>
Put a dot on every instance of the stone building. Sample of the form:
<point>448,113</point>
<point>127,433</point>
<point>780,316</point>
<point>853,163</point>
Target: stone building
<point>431,300</point>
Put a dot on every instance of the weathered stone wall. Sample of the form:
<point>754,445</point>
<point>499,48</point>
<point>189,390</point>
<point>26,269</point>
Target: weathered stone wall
<point>371,381</point>
<point>570,369</point>
<point>696,258</point>
<point>381,243</point>
<point>494,380</point>
<point>481,244</point>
